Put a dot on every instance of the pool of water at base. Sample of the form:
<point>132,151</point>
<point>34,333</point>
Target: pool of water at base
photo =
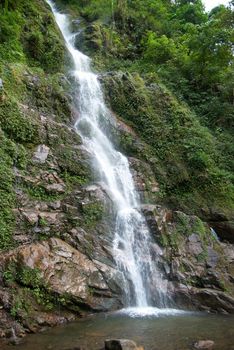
<point>154,330</point>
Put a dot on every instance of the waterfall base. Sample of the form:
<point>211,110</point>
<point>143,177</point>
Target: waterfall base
<point>149,311</point>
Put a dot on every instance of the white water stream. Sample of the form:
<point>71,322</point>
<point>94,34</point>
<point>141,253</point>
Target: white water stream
<point>132,238</point>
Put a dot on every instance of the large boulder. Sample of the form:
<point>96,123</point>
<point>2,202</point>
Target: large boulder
<point>66,271</point>
<point>198,266</point>
<point>203,299</point>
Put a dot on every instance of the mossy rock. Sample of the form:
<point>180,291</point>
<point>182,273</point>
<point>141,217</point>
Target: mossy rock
<point>16,125</point>
<point>70,159</point>
<point>12,155</point>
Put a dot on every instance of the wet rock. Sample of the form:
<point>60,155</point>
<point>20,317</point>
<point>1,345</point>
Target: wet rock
<point>50,320</point>
<point>213,280</point>
<point>95,192</point>
<point>144,180</point>
<point>203,299</point>
<point>9,326</point>
<point>76,24</point>
<point>204,345</point>
<point>89,39</point>
<point>70,209</point>
<point>79,239</point>
<point>120,344</point>
<point>156,217</point>
<point>41,154</point>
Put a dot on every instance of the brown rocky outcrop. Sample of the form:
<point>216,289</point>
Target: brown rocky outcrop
<point>65,271</point>
<point>199,266</point>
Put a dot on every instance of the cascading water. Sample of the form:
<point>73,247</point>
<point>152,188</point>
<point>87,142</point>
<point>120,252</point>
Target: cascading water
<point>132,237</point>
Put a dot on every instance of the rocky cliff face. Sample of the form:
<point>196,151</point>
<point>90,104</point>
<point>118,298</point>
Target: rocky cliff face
<point>63,235</point>
<point>56,228</point>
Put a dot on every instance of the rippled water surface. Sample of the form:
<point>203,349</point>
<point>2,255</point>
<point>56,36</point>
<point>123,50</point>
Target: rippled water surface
<point>154,331</point>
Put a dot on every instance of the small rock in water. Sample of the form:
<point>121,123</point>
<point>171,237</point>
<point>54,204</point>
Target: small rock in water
<point>120,344</point>
<point>204,345</point>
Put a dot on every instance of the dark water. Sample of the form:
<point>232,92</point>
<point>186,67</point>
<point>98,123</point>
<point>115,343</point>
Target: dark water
<point>177,332</point>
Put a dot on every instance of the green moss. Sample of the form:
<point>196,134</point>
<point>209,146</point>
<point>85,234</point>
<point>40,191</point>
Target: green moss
<point>9,273</point>
<point>91,10</point>
<point>20,305</point>
<point>92,214</point>
<point>74,180</point>
<point>199,227</point>
<point>49,93</point>
<point>11,25</point>
<point>24,275</point>
<point>43,222</point>
<point>174,239</point>
<point>16,125</point>
<point>29,34</point>
<point>202,256</point>
<point>9,158</point>
<point>28,286</point>
<point>164,240</point>
<point>28,276</point>
<point>188,225</point>
<point>40,193</point>
<point>72,164</point>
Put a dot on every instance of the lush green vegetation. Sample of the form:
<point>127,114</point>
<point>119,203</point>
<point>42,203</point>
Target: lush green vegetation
<point>31,53</point>
<point>183,154</point>
<point>182,102</point>
<point>92,214</point>
<point>28,35</point>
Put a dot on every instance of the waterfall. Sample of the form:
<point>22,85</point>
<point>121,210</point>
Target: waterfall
<point>131,244</point>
